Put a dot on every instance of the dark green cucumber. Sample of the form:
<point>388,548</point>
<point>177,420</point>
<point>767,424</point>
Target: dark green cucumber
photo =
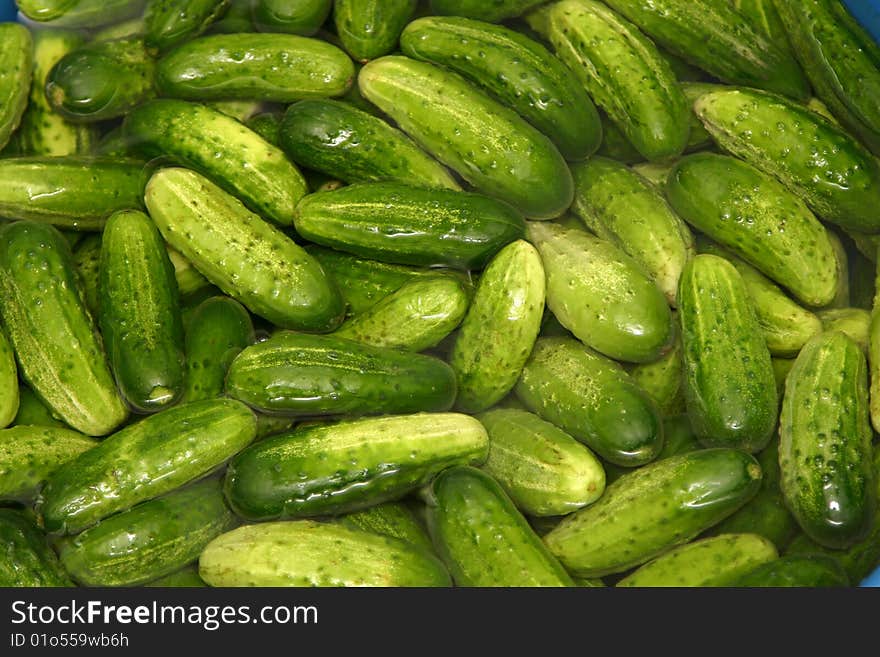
<point>393,519</point>
<point>168,23</point>
<point>347,143</point>
<point>842,297</point>
<point>303,17</point>
<point>349,465</point>
<point>765,19</point>
<point>484,540</point>
<point>810,571</point>
<point>371,28</point>
<point>79,13</point>
<point>272,67</point>
<point>150,540</point>
<point>9,398</point>
<point>493,11</point>
<point>663,379</point>
<point>615,145</point>
<point>593,399</point>
<point>409,225</point>
<point>144,460</point>
<point>28,561</point>
<point>487,143</point>
<point>516,70</point>
<point>186,577</point>
<point>650,510</point>
<point>250,260</point>
<point>678,436</point>
<point>298,374</point>
<point>87,261</point>
<point>855,323</point>
<point>31,410</point>
<point>267,125</point>
<point>16,70</point>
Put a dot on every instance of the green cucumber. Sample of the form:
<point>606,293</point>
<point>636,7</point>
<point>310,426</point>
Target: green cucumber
<point>187,577</point>
<point>308,553</point>
<point>9,398</point>
<point>855,323</point>
<point>487,143</point>
<point>189,280</point>
<point>303,17</point>
<point>241,254</point>
<point>615,145</point>
<point>858,561</point>
<point>765,19</point>
<point>500,328</point>
<point>272,67</point>
<point>267,125</point>
<point>393,519</point>
<point>678,437</point>
<point>862,287</point>
<point>168,23</point>
<point>16,70</point>
<point>654,172</point>
<point>131,27</point>
<point>602,295</point>
<point>700,139</point>
<point>371,28</point>
<point>593,399</point>
<point>516,70</point>
<point>32,411</point>
<point>237,19</point>
<point>781,368</point>
<point>663,379</point>
<point>623,71</point>
<point>409,225</point>
<point>298,374</point>
<point>79,13</point>
<point>150,540</point>
<point>28,560</point>
<point>650,510</point>
<point>240,110</point>
<point>87,261</point>
<point>842,297</point>
<point>545,471</point>
<point>810,571</point>
<point>345,142</point>
<point>482,537</point>
<point>493,11</point>
<point>874,364</point>
<point>144,460</point>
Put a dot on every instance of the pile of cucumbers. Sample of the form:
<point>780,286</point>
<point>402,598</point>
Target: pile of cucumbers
<point>455,292</point>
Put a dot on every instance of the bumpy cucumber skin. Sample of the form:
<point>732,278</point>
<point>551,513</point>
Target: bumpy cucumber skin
<point>60,354</point>
<point>349,465</point>
<point>409,225</point>
<point>500,328</point>
<point>488,144</point>
<point>170,22</point>
<point>393,519</point>
<point>602,295</point>
<point>836,176</point>
<point>273,67</point>
<point>150,540</point>
<point>144,460</point>
<point>663,379</point>
<point>545,471</point>
<point>371,28</point>
<point>593,399</point>
<point>241,254</point>
<point>222,148</point>
<point>620,206</point>
<point>652,509</point>
<point>79,13</point>
<point>31,410</point>
<point>16,70</point>
<point>347,143</point>
<point>298,374</point>
<point>809,571</point>
<point>9,398</point>
<point>303,17</point>
<point>730,390</point>
<point>623,71</point>
<point>855,323</point>
<point>481,536</point>
<point>308,553</point>
<point>28,560</point>
<point>492,11</point>
<point>515,69</point>
<point>825,442</point>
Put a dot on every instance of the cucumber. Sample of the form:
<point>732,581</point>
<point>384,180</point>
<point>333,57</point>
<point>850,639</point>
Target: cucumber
<point>248,259</point>
<point>678,437</point>
<point>699,139</point>
<point>28,560</point>
<point>393,519</point>
<point>620,206</point>
<point>221,148</point>
<point>303,17</point>
<point>187,577</point>
<point>349,465</point>
<point>237,19</point>
<point>87,262</point>
<point>842,297</point>
<point>765,19</point>
<point>654,172</point>
<point>729,387</point>
<point>371,28</point>
<point>653,509</point>
<point>615,145</point>
<point>16,64</point>
<point>853,322</point>
<point>545,471</point>
<point>79,13</point>
<point>858,561</point>
<point>150,540</point>
<point>31,410</point>
<point>663,379</point>
<point>345,142</point>
<point>267,125</point>
<point>836,176</point>
<point>298,374</point>
<point>825,442</point>
<point>189,280</point>
<point>593,399</point>
<point>516,70</point>
<point>740,207</point>
<point>781,368</point>
<point>9,398</point>
<point>862,287</point>
<point>493,11</point>
<point>240,110</point>
<point>308,553</point>
<point>144,460</point>
<point>812,571</point>
<point>168,23</point>
<point>131,27</point>
<point>482,537</point>
<point>76,192</point>
<point>623,72</point>
<point>488,144</point>
<point>270,67</point>
<point>718,39</point>
<point>59,352</point>
<point>718,561</point>
<point>874,364</point>
<point>500,328</point>
<point>409,225</point>
<point>602,295</point>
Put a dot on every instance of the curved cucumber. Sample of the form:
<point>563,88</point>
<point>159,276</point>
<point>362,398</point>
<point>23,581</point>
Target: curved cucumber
<point>27,558</point>
<point>393,519</point>
<point>79,13</point>
<point>168,23</point>
<point>9,398</point>
<point>494,11</point>
<point>16,70</point>
<point>810,571</point>
<point>371,28</point>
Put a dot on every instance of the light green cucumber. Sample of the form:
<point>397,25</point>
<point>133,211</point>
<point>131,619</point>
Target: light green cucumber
<point>16,70</point>
<point>267,125</point>
<point>303,17</point>
<point>371,28</point>
<point>87,261</point>
<point>79,13</point>
<point>31,410</point>
<point>168,23</point>
<point>765,19</point>
<point>663,379</point>
<point>189,280</point>
<point>393,519</point>
<point>9,398</point>
<point>855,323</point>
<point>654,172</point>
<point>781,368</point>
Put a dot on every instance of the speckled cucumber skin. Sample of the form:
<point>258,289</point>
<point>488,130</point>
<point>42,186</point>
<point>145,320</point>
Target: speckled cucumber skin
<point>808,571</point>
<point>371,28</point>
<point>500,328</point>
<point>28,560</point>
<point>488,144</point>
<point>170,22</point>
<point>16,70</point>
<point>144,460</point>
<point>516,70</point>
<point>345,142</point>
<point>650,510</point>
<point>87,262</point>
<point>481,536</point>
<point>855,323</point>
<point>221,148</point>
<point>620,206</point>
<point>836,176</point>
<point>79,13</point>
<point>393,519</point>
<point>663,379</point>
<point>272,67</point>
<point>250,260</point>
<point>730,390</point>
<point>602,295</point>
<point>353,464</point>
<point>827,476</point>
<point>493,11</point>
<point>8,382</point>
<point>593,399</point>
<point>303,17</point>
